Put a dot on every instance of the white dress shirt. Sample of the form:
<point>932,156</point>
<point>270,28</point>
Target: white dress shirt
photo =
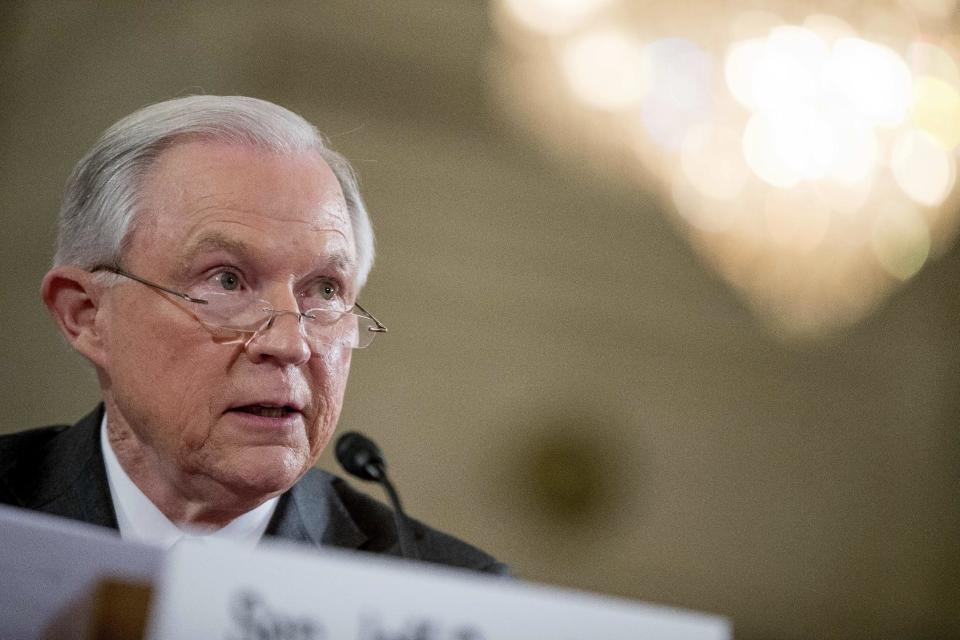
<point>140,520</point>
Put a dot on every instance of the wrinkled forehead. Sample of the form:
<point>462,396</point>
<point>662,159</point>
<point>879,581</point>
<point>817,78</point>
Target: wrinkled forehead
<point>206,196</point>
<point>202,168</point>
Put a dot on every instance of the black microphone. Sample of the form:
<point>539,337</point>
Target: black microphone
<point>361,457</point>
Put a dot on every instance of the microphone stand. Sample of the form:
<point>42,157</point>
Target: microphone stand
<point>361,457</point>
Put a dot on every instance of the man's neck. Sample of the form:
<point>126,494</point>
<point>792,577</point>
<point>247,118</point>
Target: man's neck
<point>204,506</point>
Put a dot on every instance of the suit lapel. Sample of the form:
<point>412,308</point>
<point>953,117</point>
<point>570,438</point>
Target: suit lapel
<point>73,480</point>
<point>73,484</point>
<point>311,511</point>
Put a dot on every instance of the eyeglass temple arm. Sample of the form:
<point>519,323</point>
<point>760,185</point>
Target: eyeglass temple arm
<point>377,329</point>
<point>179,294</point>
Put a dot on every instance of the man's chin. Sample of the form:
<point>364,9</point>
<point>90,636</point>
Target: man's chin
<point>262,472</point>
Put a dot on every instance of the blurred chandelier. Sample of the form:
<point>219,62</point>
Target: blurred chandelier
<point>810,157</point>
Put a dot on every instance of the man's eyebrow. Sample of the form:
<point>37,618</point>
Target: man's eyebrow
<point>341,262</point>
<point>338,261</point>
<point>211,242</point>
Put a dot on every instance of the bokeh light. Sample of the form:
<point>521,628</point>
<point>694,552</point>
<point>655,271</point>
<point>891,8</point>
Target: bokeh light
<point>680,93</point>
<point>711,160</point>
<point>708,214</point>
<point>929,60</point>
<point>900,240</point>
<point>763,156</point>
<point>936,110</point>
<point>857,151</point>
<point>553,16</point>
<point>605,68</point>
<point>741,60</point>
<point>789,69</point>
<point>805,141</point>
<point>845,199</point>
<point>873,78</point>
<point>812,159</point>
<point>922,167</point>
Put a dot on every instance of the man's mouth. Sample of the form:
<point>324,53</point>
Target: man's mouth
<point>266,411</point>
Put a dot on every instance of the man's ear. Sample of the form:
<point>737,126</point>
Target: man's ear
<point>73,297</point>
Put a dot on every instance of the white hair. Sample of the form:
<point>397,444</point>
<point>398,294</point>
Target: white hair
<point>102,194</point>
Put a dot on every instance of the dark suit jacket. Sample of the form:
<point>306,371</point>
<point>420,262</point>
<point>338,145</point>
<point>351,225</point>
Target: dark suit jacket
<point>60,470</point>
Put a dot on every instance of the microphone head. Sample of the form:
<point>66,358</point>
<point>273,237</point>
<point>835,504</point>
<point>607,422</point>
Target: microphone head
<point>360,456</point>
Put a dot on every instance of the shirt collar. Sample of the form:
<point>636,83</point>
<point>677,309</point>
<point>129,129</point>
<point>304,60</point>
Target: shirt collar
<point>140,520</point>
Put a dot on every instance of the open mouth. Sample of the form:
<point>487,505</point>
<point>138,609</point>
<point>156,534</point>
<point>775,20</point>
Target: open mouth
<point>265,411</point>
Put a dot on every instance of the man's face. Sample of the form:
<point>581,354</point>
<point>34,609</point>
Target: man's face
<point>198,408</point>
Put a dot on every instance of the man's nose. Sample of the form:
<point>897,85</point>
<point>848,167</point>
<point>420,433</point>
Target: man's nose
<point>281,339</point>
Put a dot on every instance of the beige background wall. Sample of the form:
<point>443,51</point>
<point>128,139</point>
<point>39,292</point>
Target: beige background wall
<point>564,384</point>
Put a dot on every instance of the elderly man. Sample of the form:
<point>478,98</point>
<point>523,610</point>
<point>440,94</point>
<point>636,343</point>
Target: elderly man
<point>210,255</point>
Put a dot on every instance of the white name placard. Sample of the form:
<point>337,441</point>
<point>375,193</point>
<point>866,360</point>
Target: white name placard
<point>218,592</point>
<point>49,566</point>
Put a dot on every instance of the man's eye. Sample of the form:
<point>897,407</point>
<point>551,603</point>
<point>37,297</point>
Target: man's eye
<point>228,280</point>
<point>322,291</point>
